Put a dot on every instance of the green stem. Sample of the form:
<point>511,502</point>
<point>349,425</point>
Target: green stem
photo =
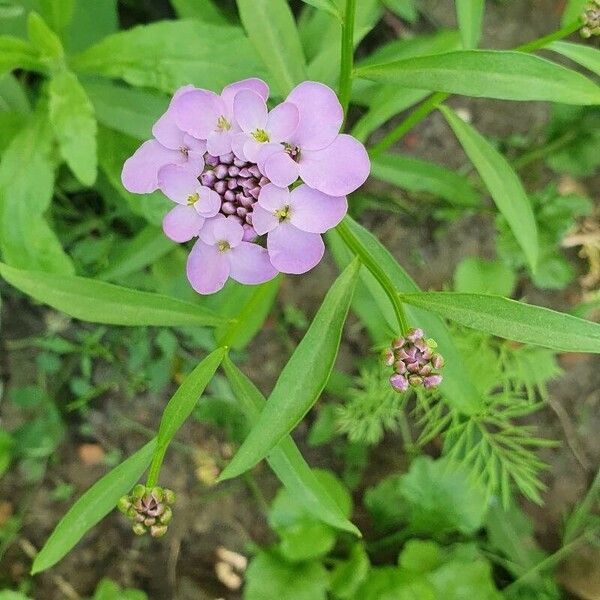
<point>155,467</point>
<point>347,62</point>
<point>436,99</point>
<point>543,151</point>
<point>380,275</point>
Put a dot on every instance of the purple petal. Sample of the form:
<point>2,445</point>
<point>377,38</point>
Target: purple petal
<point>237,145</point>
<point>267,150</point>
<point>263,220</point>
<point>321,115</point>
<point>177,183</point>
<point>250,111</point>
<point>294,251</point>
<point>219,143</point>
<point>337,170</point>
<point>140,171</point>
<point>209,203</point>
<point>182,223</point>
<point>207,268</point>
<point>165,130</point>
<point>207,233</point>
<point>315,212</point>
<point>197,112</point>
<point>254,84</point>
<point>228,230</point>
<point>282,122</point>
<point>273,198</point>
<point>252,149</point>
<point>281,168</point>
<point>250,264</point>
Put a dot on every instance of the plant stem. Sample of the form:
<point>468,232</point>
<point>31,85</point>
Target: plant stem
<point>436,99</point>
<point>380,275</point>
<point>347,62</point>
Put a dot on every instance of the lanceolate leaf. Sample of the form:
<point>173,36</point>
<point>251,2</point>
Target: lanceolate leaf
<point>418,175</point>
<point>92,507</point>
<point>203,10</point>
<point>470,21</point>
<point>271,28</point>
<point>100,302</point>
<point>302,379</point>
<point>502,182</point>
<point>512,320</point>
<point>286,460</point>
<point>327,5</point>
<point>16,53</point>
<point>502,74</point>
<point>586,56</point>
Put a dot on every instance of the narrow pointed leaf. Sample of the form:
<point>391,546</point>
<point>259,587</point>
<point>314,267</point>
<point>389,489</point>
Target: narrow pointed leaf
<point>470,21</point>
<point>286,460</point>
<point>203,10</point>
<point>512,320</point>
<point>16,53</point>
<point>502,182</point>
<point>302,379</point>
<point>503,74</point>
<point>586,56</point>
<point>327,5</point>
<point>92,507</point>
<point>100,302</point>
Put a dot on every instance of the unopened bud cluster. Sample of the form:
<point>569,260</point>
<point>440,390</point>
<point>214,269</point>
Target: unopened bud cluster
<point>415,362</point>
<point>591,19</point>
<point>149,509</point>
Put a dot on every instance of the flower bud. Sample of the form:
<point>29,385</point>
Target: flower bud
<point>148,509</point>
<point>415,380</point>
<point>432,381</point>
<point>399,382</point>
<point>437,361</point>
<point>388,358</point>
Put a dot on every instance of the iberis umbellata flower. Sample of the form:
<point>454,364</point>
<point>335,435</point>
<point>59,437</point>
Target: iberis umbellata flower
<point>255,185</point>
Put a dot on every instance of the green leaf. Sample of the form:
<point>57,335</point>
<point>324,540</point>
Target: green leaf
<point>502,182</point>
<point>470,21</point>
<point>100,302</point>
<point>391,583</point>
<point>347,576</point>
<point>586,56</point>
<point>512,320</point>
<point>169,54</point>
<point>92,507</point>
<point>16,53</point>
<point>203,10</point>
<point>72,118</point>
<point>91,22</point>
<point>286,460</point>
<point>271,27</point>
<point>416,175</point>
<point>296,391</point>
<point>109,590</point>
<point>405,9</point>
<point>503,74</point>
<point>57,13</point>
<point>476,275</point>
<point>45,40</point>
<point>13,96</point>
<point>328,6</point>
<point>572,11</point>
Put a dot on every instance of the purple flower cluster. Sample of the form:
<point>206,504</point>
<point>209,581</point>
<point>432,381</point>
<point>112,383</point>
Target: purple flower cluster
<point>233,167</point>
<point>414,362</point>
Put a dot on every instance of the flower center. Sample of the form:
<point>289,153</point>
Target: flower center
<point>223,246</point>
<point>223,124</point>
<point>293,151</point>
<point>193,198</point>
<point>283,213</point>
<point>260,135</point>
<point>184,150</point>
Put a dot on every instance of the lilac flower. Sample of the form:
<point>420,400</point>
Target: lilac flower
<point>220,253</point>
<point>208,116</point>
<point>170,146</point>
<point>333,164</point>
<point>195,202</point>
<point>293,221</point>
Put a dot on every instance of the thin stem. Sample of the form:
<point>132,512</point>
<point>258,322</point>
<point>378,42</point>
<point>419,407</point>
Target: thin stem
<point>543,151</point>
<point>436,99</point>
<point>347,62</point>
<point>380,275</point>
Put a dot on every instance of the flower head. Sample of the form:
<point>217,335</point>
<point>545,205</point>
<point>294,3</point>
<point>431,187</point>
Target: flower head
<point>149,509</point>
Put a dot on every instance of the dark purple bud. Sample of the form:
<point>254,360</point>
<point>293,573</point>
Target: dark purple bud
<point>263,181</point>
<point>255,171</point>
<point>414,367</point>
<point>398,343</point>
<point>227,208</point>
<point>388,357</point>
<point>246,184</point>
<point>233,171</point>
<point>220,187</point>
<point>221,171</point>
<point>254,192</point>
<point>432,381</point>
<point>227,158</point>
<point>244,172</point>
<point>208,179</point>
<point>239,163</point>
<point>437,360</point>
<point>402,354</point>
<point>249,219</point>
<point>399,382</point>
<point>425,370</point>
<point>246,201</point>
<point>421,345</point>
<point>211,160</point>
<point>229,196</point>
<point>400,367</point>
<point>414,334</point>
<point>232,184</point>
<point>242,212</point>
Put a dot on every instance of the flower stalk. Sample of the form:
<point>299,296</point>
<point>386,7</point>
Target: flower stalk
<point>347,62</point>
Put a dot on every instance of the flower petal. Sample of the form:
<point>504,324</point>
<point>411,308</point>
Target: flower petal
<point>315,212</point>
<point>228,230</point>
<point>207,268</point>
<point>165,130</point>
<point>140,171</point>
<point>273,198</point>
<point>177,183</point>
<point>250,111</point>
<point>281,168</point>
<point>263,220</point>
<point>219,143</point>
<point>252,149</point>
<point>254,84</point>
<point>294,251</point>
<point>182,223</point>
<point>237,145</point>
<point>209,203</point>
<point>337,170</point>
<point>266,150</point>
<point>197,112</point>
<point>282,122</point>
<point>207,233</point>
<point>250,264</point>
<point>321,115</point>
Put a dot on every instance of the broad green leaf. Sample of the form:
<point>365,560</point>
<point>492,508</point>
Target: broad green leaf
<point>12,95</point>
<point>57,13</point>
<point>72,118</point>
<point>476,275</point>
<point>128,110</point>
<point>100,302</point>
<point>16,53</point>
<point>181,406</point>
<point>203,10</point>
<point>169,54</point>
<point>11,123</point>
<point>326,5</point>
<point>512,320</point>
<point>416,175</point>
<point>503,74</point>
<point>347,576</point>
<point>470,21</point>
<point>502,182</point>
<point>586,56</point>
<point>573,9</point>
<point>405,9</point>
<point>26,188</point>
<point>271,28</point>
<point>92,507</point>
<point>45,40</point>
<point>91,22</point>
<point>458,390</point>
<point>109,590</point>
<point>303,377</point>
<point>286,460</point>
